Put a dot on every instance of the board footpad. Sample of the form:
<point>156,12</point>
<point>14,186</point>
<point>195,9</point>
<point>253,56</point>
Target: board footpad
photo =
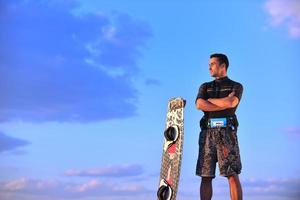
<point>171,135</point>
<point>165,191</point>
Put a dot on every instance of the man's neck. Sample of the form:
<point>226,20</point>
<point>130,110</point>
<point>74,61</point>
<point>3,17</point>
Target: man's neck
<point>222,76</point>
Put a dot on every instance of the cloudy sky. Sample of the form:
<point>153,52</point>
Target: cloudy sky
<point>85,85</point>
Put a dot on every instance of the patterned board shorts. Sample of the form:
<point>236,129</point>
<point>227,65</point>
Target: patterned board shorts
<point>218,145</point>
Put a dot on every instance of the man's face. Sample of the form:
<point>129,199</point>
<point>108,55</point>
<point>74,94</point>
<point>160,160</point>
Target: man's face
<point>215,69</point>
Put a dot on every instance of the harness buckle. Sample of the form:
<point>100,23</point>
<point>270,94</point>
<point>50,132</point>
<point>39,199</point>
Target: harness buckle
<point>217,122</point>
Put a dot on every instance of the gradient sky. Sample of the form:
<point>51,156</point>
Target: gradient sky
<point>85,85</point>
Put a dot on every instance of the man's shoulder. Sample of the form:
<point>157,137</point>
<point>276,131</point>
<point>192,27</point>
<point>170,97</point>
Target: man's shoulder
<point>236,83</point>
<point>207,83</point>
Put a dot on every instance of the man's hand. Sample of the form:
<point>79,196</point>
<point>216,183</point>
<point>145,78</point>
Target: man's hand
<point>231,94</point>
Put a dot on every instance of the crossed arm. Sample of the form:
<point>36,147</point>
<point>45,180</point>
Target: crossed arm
<point>217,104</point>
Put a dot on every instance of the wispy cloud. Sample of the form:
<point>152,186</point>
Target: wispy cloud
<point>287,189</point>
<point>253,188</point>
<point>111,171</point>
<point>57,66</point>
<point>151,81</point>
<point>278,187</point>
<point>8,143</point>
<point>292,131</point>
<point>58,189</point>
<point>285,13</point>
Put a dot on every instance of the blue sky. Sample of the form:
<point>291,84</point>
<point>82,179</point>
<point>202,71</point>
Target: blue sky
<point>85,86</point>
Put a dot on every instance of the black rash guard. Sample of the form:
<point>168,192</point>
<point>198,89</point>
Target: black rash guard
<point>220,88</point>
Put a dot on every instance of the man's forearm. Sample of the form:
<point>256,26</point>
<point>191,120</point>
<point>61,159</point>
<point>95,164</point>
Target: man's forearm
<point>224,103</point>
<point>204,105</point>
<point>230,101</point>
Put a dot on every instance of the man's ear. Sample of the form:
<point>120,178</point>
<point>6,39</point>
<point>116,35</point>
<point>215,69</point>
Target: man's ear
<point>223,65</point>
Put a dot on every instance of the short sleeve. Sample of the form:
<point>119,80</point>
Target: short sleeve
<point>202,93</point>
<point>238,90</point>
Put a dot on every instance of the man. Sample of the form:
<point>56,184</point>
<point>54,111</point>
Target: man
<point>218,142</point>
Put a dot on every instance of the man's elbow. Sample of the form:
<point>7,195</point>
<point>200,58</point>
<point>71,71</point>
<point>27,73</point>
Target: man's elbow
<point>199,104</point>
<point>234,102</point>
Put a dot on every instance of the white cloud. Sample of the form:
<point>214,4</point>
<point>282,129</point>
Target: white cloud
<point>15,185</point>
<point>127,188</point>
<point>292,131</point>
<point>110,171</point>
<point>285,13</point>
<point>55,189</point>
<point>284,187</point>
<point>92,184</point>
<point>253,188</point>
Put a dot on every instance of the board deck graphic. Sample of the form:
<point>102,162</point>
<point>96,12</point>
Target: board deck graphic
<point>172,150</point>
